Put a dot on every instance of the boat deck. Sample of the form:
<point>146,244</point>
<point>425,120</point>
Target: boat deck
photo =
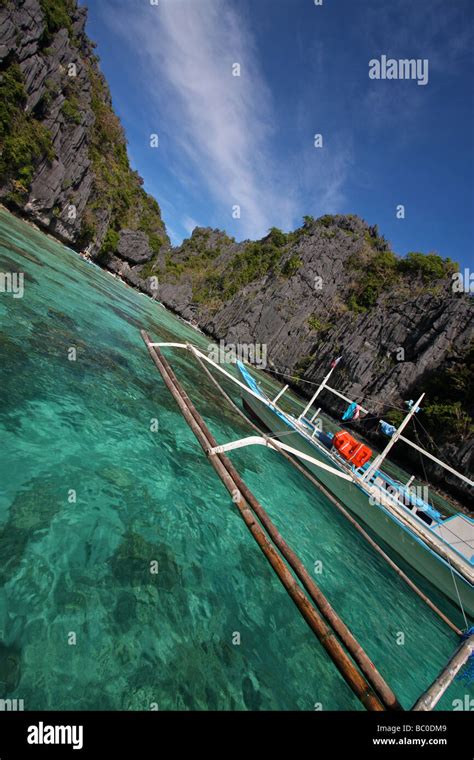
<point>458,531</point>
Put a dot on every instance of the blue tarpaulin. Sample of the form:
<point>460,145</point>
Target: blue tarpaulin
<point>387,428</point>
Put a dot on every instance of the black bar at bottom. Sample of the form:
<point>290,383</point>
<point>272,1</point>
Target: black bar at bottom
<point>136,735</point>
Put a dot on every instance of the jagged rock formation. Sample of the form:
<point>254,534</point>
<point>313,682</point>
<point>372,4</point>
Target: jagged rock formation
<point>64,158</point>
<point>134,246</point>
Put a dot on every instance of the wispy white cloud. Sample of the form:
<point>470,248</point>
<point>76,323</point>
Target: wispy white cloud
<point>218,128</point>
<point>173,236</point>
<point>189,224</point>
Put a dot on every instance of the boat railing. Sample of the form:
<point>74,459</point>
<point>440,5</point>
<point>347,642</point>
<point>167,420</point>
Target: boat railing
<point>423,524</point>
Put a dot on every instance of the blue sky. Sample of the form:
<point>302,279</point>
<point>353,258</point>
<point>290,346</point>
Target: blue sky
<point>249,140</point>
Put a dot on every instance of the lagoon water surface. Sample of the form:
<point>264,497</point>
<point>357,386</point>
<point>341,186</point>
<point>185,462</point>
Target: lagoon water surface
<point>91,494</point>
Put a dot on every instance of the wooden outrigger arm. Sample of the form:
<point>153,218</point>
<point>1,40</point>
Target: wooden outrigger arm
<point>259,440</point>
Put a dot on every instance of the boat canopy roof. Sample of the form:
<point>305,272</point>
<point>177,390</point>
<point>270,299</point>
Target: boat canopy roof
<point>458,532</point>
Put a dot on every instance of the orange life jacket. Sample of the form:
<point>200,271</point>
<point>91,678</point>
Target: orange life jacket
<point>353,451</point>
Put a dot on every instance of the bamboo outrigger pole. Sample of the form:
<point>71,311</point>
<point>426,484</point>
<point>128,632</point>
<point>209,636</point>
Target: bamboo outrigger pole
<point>430,698</point>
<point>359,685</point>
<point>352,645</point>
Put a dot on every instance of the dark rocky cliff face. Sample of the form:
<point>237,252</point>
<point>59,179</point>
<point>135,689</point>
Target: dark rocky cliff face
<point>332,287</point>
<point>64,158</point>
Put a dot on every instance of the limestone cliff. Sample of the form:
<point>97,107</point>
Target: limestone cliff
<point>64,156</point>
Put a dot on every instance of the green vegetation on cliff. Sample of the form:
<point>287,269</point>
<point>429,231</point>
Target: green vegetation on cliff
<point>428,266</point>
<point>256,260</point>
<point>24,141</point>
<point>57,15</point>
<point>448,411</point>
<point>71,110</point>
<point>379,271</point>
<point>318,325</point>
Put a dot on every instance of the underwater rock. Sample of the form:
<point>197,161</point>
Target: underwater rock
<point>125,611</point>
<point>135,321</point>
<point>10,668</point>
<point>34,508</point>
<point>250,694</point>
<point>30,511</point>
<point>67,597</point>
<point>63,319</point>
<point>117,476</point>
<point>23,253</point>
<point>144,698</point>
<point>13,543</point>
<point>130,564</point>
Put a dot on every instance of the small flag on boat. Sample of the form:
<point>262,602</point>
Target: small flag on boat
<point>335,362</point>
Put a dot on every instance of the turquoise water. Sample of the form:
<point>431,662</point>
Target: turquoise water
<point>84,624</point>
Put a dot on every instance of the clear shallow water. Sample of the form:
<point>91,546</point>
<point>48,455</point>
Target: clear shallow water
<point>141,496</point>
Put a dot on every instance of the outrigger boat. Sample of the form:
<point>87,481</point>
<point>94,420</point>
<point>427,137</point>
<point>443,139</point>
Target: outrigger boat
<point>440,548</point>
<point>353,663</point>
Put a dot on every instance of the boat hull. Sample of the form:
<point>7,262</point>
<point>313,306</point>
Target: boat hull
<point>378,519</point>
